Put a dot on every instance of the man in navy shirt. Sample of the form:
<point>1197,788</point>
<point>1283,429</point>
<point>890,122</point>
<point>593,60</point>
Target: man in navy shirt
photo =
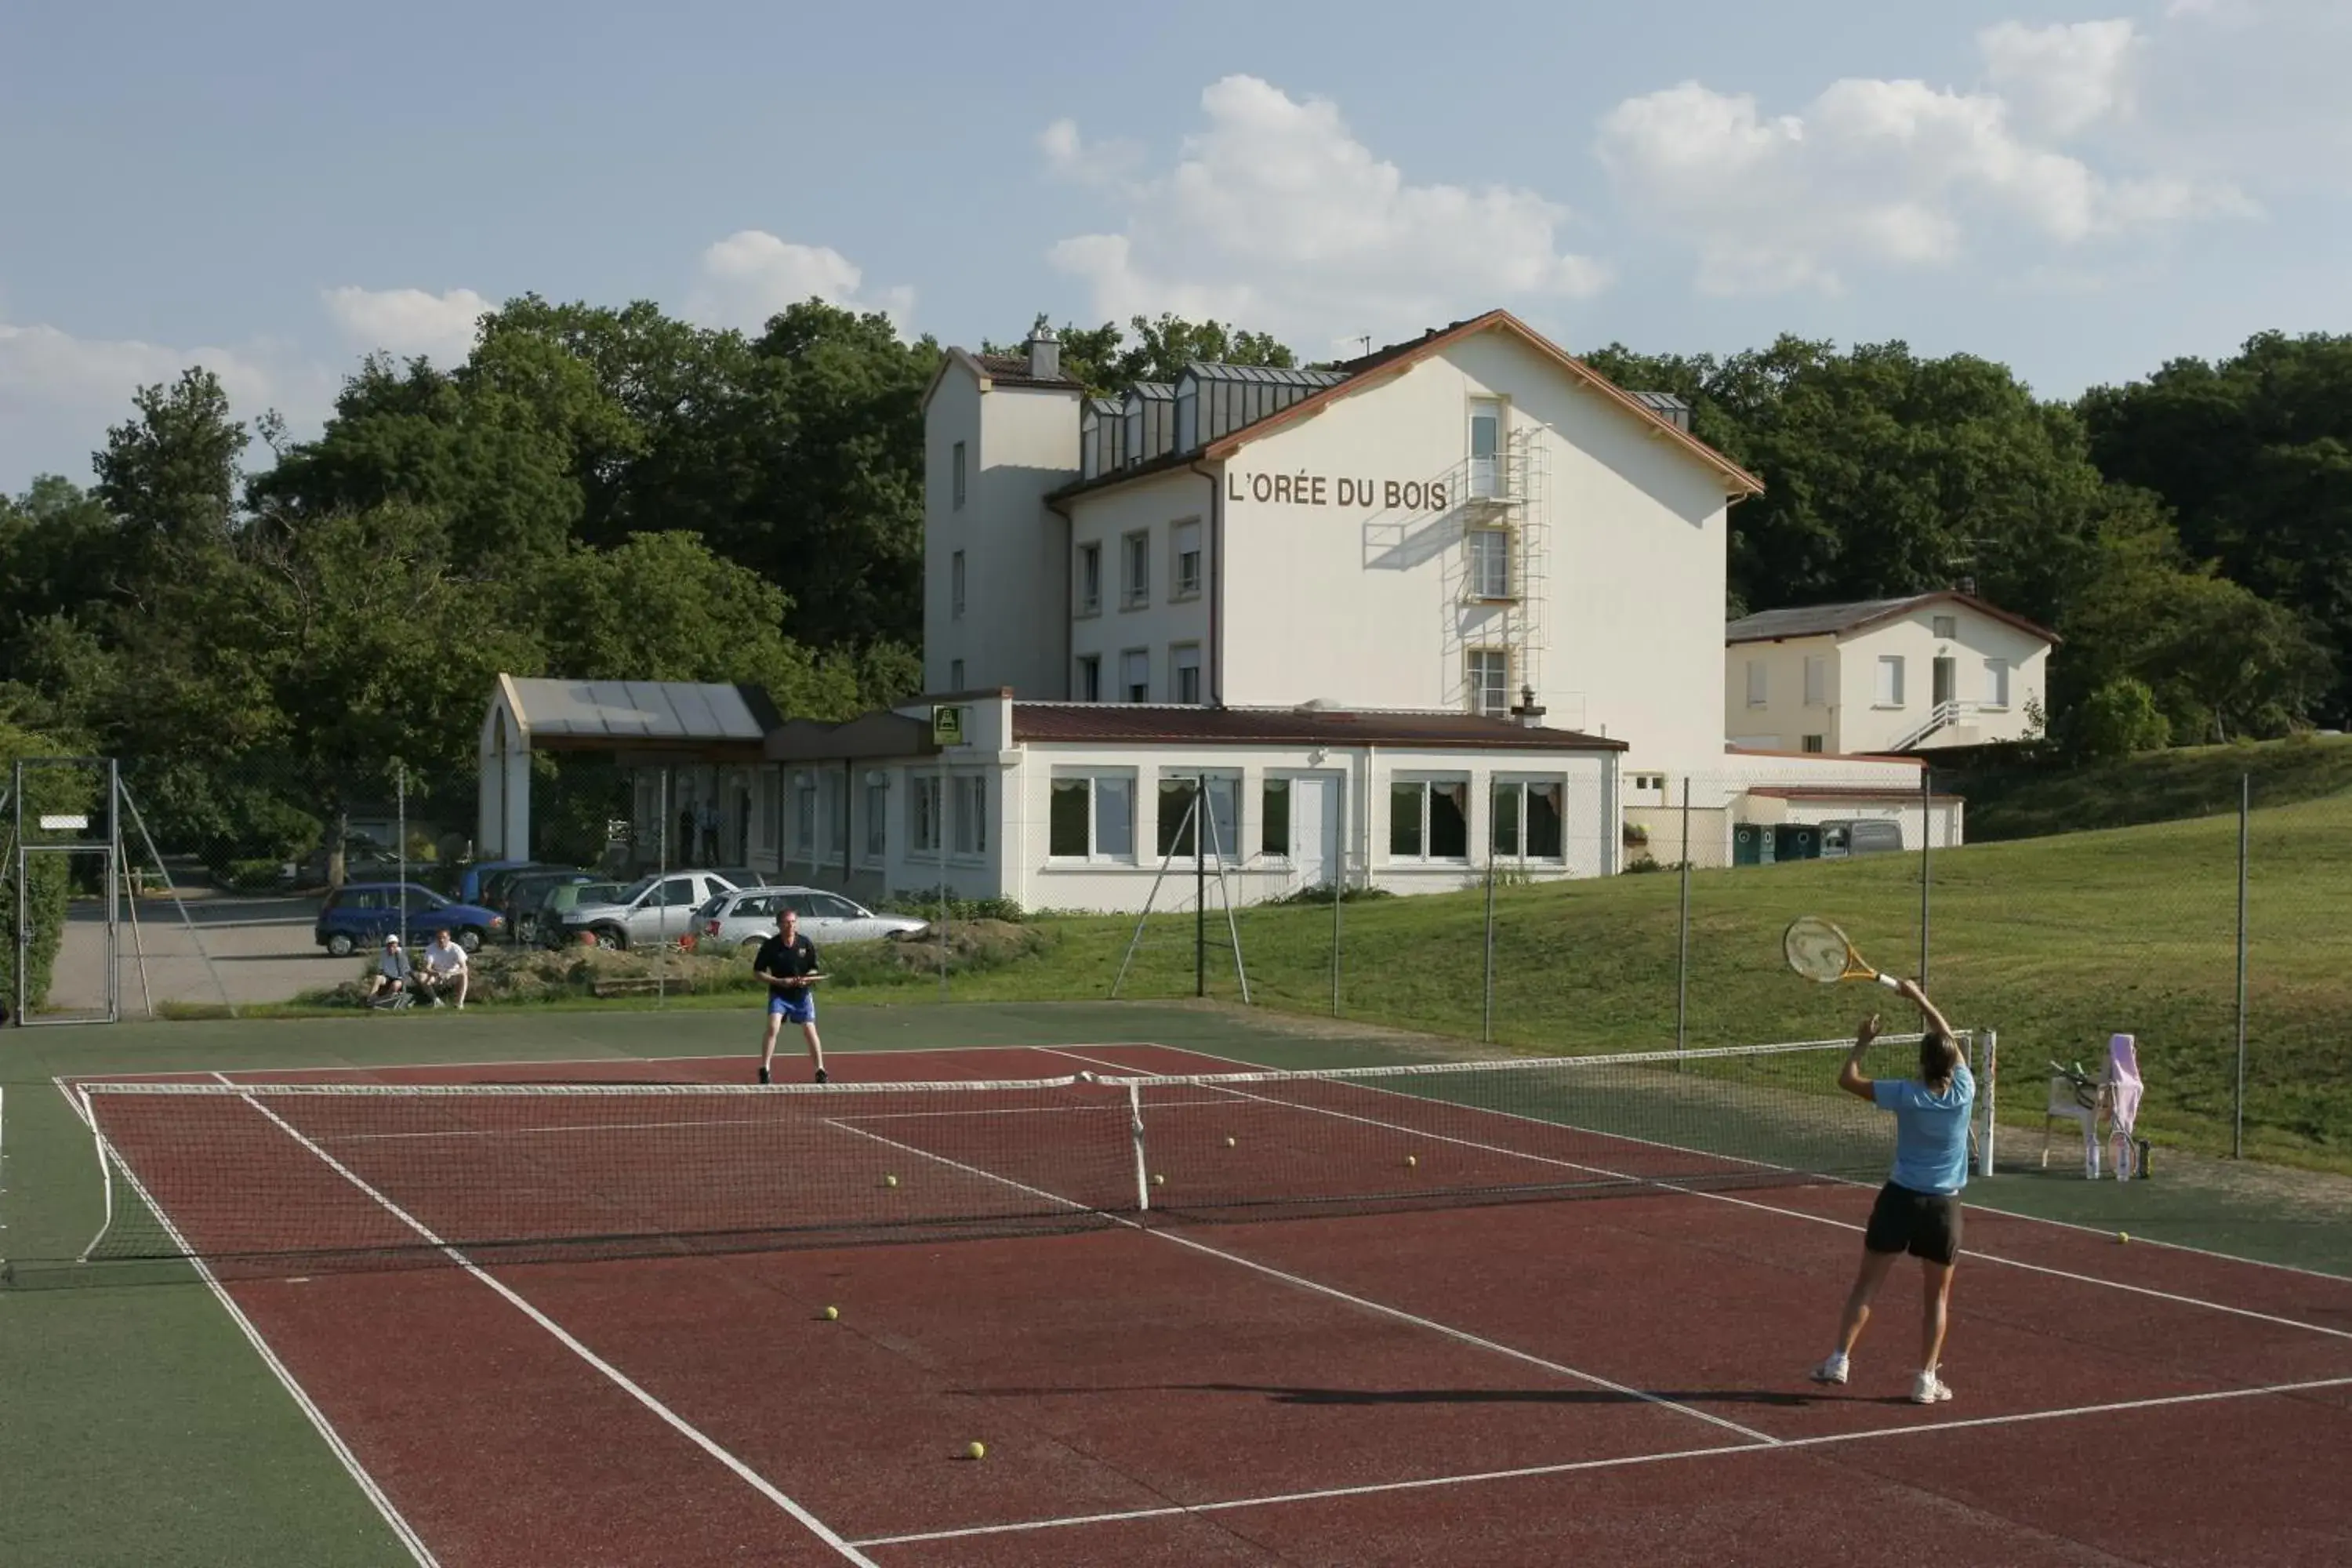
<point>787,962</point>
<point>1918,1209</point>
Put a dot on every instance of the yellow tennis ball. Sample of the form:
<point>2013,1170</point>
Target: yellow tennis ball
<point>2123,1236</point>
<point>975,1451</point>
<point>831,1313</point>
<point>1158,1181</point>
<point>1229,1143</point>
<point>889,1181</point>
<point>1412,1160</point>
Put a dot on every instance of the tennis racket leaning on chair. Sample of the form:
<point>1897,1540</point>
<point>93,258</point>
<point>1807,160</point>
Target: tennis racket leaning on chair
<point>1819,951</point>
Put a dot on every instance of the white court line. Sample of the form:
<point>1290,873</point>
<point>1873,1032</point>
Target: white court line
<point>1660,1185</point>
<point>738,1121</point>
<point>620,1380</point>
<point>1970,1203</point>
<point>374,1493</point>
<point>738,1059</point>
<point>1569,1468</point>
<point>1302,1282</point>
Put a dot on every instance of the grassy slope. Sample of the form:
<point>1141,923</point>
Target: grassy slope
<point>2156,787</point>
<point>2054,942</point>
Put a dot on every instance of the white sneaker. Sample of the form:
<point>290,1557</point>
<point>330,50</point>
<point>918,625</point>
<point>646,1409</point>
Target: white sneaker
<point>1929,1389</point>
<point>1833,1370</point>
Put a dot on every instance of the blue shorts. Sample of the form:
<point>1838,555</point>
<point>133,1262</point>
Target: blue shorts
<point>793,1007</point>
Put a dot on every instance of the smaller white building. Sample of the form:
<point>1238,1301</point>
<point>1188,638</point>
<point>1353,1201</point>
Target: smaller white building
<point>1930,671</point>
<point>1075,806</point>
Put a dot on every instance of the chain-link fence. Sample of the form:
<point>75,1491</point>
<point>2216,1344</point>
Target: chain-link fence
<point>2060,942</point>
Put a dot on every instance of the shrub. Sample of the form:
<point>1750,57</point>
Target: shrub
<point>2119,719</point>
<point>924,905</point>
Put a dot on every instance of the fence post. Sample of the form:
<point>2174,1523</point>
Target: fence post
<point>1926,844</point>
<point>1682,936</point>
<point>1200,885</point>
<point>661,906</point>
<point>2238,1096</point>
<point>1486,992</point>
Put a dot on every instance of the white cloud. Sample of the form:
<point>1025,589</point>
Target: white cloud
<point>1274,215</point>
<point>1897,173</point>
<point>751,275</point>
<point>2064,76</point>
<point>409,321</point>
<point>59,392</point>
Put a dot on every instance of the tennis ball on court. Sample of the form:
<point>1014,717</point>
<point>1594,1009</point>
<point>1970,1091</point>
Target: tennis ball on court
<point>1158,1181</point>
<point>2123,1236</point>
<point>831,1313</point>
<point>1412,1160</point>
<point>1229,1143</point>
<point>889,1181</point>
<point>975,1450</point>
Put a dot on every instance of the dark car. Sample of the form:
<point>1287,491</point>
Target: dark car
<point>360,914</point>
<point>522,898</point>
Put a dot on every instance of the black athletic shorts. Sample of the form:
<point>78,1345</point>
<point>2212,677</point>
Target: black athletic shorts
<point>1925,1224</point>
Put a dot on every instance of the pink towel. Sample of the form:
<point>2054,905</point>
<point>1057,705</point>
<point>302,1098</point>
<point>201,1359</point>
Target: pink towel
<point>2123,1082</point>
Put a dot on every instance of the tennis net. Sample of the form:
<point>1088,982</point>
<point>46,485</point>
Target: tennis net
<point>292,1177</point>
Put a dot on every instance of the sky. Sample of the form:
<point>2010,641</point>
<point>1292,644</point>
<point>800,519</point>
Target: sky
<point>273,189</point>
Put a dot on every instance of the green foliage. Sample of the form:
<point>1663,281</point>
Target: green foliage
<point>2254,455</point>
<point>169,475</point>
<point>47,883</point>
<point>923,904</point>
<point>1104,362</point>
<point>2119,719</point>
<point>2031,799</point>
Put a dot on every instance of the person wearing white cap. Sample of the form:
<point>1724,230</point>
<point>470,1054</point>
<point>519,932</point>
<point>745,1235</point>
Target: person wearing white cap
<point>388,988</point>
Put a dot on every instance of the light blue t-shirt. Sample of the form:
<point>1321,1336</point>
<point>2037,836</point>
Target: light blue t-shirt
<point>1931,1130</point>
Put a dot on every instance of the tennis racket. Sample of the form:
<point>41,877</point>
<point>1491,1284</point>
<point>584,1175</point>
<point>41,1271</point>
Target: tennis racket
<point>1819,951</point>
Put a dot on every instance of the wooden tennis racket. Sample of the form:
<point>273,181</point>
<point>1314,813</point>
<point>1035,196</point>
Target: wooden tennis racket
<point>1821,951</point>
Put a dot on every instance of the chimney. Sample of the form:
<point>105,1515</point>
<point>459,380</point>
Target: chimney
<point>1528,715</point>
<point>1967,585</point>
<point>1044,352</point>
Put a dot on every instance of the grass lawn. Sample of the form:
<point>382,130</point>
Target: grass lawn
<point>2054,942</point>
<point>2155,787</point>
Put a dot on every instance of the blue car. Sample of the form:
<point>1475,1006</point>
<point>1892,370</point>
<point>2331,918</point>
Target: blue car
<point>360,914</point>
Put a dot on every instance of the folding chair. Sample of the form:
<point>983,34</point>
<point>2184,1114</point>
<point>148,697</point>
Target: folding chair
<point>2074,1096</point>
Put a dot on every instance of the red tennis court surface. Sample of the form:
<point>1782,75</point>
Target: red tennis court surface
<point>1620,1379</point>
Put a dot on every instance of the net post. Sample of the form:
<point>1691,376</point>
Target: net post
<point>105,1176</point>
<point>1135,1132</point>
<point>2238,1088</point>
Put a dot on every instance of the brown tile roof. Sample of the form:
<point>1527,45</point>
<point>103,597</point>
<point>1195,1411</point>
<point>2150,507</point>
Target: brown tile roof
<point>1013,370</point>
<point>1156,724</point>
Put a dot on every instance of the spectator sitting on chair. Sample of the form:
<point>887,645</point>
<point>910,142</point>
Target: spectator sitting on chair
<point>389,986</point>
<point>444,969</point>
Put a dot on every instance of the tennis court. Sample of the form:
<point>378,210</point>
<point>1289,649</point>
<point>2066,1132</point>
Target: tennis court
<point>574,1311</point>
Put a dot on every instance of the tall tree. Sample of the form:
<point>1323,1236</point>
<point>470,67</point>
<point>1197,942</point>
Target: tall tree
<point>170,478</point>
<point>1105,362</point>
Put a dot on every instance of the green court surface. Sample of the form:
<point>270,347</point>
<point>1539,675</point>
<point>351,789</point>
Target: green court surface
<point>140,1426</point>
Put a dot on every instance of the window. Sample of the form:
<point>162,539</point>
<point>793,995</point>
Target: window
<point>1489,672</point>
<point>1890,680</point>
<point>1490,563</point>
<point>1089,579</point>
<point>877,817</point>
<point>1428,819</point>
<point>1135,588</point>
<point>1756,683</point>
<point>1091,817</point>
<point>955,586</point>
<point>1274,819</point>
<point>955,675</point>
<point>970,797</point>
<point>1486,447</point>
<point>1817,681</point>
<point>804,815</point>
<point>1995,683</point>
<point>1176,792</point>
<point>1184,660</point>
<point>836,814</point>
<point>1526,821</point>
<point>1946,627</point>
<point>678,893</point>
<point>923,814</point>
<point>1135,676</point>
<point>1813,744</point>
<point>956,476</point>
<point>1187,561</point>
<point>1090,678</point>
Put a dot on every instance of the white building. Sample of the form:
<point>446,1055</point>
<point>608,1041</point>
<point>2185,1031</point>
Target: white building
<point>1884,675</point>
<point>1458,599</point>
